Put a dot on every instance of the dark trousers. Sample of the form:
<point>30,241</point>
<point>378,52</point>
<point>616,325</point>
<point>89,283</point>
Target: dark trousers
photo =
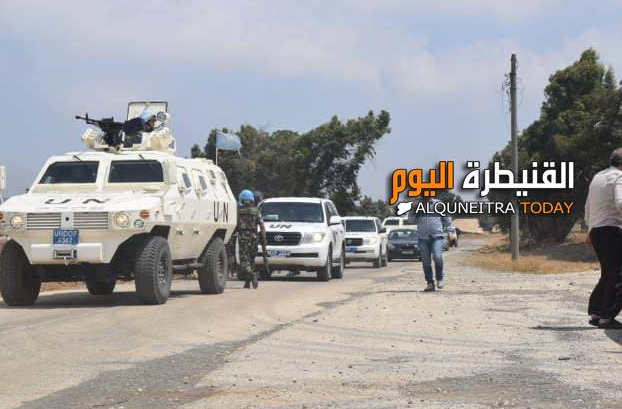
<point>606,300</point>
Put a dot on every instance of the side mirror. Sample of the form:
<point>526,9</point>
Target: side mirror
<point>2,178</point>
<point>334,220</point>
<point>383,230</point>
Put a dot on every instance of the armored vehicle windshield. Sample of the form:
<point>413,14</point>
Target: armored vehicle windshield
<point>70,172</point>
<point>136,171</point>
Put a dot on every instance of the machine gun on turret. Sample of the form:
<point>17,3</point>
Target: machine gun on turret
<point>114,131</point>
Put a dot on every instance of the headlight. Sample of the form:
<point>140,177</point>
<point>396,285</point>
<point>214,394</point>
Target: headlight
<point>370,241</point>
<point>313,237</point>
<point>389,245</point>
<point>139,224</point>
<point>121,219</point>
<point>17,221</point>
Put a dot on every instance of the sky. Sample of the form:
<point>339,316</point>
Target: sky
<point>436,65</point>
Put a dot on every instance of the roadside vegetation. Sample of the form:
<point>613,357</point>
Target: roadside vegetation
<point>580,121</point>
<point>551,257</point>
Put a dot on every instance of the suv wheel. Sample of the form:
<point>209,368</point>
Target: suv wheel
<point>323,274</point>
<point>213,274</point>
<point>264,273</point>
<point>19,283</point>
<point>154,271</point>
<point>337,272</point>
<point>378,261</point>
<point>385,258</point>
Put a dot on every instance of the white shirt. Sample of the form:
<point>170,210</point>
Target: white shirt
<point>603,206</point>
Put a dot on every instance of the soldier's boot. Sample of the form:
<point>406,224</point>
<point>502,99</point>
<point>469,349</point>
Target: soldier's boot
<point>255,281</point>
<point>247,283</point>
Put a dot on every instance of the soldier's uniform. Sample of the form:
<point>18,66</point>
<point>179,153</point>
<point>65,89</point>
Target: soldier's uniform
<point>248,240</point>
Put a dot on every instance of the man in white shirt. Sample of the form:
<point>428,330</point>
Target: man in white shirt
<point>603,215</point>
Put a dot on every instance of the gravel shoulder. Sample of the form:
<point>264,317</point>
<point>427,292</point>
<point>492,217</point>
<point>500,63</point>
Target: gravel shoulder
<point>491,339</point>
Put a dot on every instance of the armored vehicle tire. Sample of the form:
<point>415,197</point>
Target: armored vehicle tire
<point>323,274</point>
<point>213,274</point>
<point>19,283</point>
<point>101,287</point>
<point>153,271</point>
<point>337,272</point>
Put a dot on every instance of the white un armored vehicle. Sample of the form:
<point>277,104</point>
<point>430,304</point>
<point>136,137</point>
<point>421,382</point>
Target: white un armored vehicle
<point>127,208</point>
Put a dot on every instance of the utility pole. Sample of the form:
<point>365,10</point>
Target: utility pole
<point>514,233</point>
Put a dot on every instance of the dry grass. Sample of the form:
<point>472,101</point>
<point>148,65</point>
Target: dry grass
<point>572,256</point>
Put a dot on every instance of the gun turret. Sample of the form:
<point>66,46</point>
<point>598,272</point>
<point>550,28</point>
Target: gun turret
<point>111,129</point>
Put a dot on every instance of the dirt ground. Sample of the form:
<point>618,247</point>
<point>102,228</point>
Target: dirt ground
<point>573,255</point>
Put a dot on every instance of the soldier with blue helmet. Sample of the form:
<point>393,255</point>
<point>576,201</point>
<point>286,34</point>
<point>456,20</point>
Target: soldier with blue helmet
<point>248,220</point>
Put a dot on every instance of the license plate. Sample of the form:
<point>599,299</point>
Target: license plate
<point>409,252</point>
<point>62,236</point>
<point>351,249</point>
<point>278,253</point>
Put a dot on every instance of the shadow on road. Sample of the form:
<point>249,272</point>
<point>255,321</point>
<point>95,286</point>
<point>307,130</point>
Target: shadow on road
<point>562,329</point>
<point>80,299</point>
<point>614,335</point>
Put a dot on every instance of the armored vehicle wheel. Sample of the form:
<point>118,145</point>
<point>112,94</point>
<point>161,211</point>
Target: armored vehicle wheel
<point>19,283</point>
<point>101,287</point>
<point>153,271</point>
<point>213,274</point>
<point>337,272</point>
<point>323,274</point>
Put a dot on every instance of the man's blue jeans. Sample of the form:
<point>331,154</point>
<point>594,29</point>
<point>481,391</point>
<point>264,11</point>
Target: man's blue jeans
<point>432,248</point>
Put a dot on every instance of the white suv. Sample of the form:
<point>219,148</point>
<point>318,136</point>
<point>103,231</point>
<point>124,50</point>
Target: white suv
<point>366,240</point>
<point>394,222</point>
<point>304,234</point>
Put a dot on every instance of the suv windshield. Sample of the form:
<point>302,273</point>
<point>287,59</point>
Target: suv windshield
<point>70,172</point>
<point>293,212</point>
<point>134,171</point>
<point>403,235</point>
<point>360,225</point>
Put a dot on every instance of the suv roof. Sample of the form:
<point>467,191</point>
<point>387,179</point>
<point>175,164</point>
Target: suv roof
<point>359,218</point>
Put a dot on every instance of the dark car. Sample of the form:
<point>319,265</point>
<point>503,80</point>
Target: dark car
<point>403,244</point>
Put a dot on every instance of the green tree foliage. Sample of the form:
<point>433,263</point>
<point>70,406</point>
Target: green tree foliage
<point>369,207</point>
<point>323,162</point>
<point>580,121</point>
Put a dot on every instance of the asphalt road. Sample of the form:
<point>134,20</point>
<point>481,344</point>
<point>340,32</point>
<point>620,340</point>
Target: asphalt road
<point>76,350</point>
<point>371,340</point>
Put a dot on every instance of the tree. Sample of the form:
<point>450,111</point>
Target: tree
<point>580,121</point>
<point>323,162</point>
<point>368,207</point>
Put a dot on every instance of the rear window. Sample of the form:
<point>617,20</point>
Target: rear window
<point>70,172</point>
<point>408,222</point>
<point>133,171</point>
<point>392,222</point>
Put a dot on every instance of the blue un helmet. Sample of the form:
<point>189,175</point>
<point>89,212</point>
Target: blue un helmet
<point>146,115</point>
<point>247,196</point>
